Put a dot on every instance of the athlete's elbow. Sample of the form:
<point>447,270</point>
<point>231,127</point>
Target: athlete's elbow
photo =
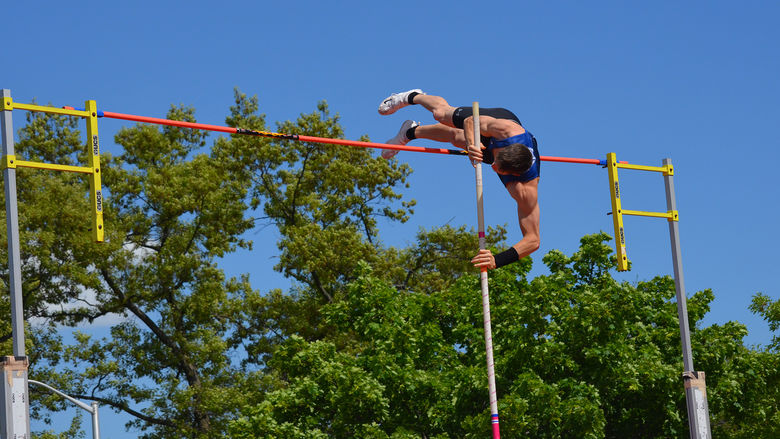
<point>534,243</point>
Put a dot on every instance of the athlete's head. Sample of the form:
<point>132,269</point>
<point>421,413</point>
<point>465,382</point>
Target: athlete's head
<point>514,159</point>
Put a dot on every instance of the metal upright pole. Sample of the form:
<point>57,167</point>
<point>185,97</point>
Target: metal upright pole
<point>12,226</point>
<point>16,422</point>
<point>95,423</point>
<point>492,395</point>
<point>695,388</point>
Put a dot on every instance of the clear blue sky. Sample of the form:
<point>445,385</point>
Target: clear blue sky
<point>693,81</point>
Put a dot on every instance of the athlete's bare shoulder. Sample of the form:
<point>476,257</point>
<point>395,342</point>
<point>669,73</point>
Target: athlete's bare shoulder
<point>502,128</point>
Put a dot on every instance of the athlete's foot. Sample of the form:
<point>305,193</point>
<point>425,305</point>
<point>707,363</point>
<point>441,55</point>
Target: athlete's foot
<point>399,139</point>
<point>396,101</point>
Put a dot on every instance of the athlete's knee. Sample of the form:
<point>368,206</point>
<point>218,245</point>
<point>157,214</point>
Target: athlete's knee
<point>443,115</point>
<point>439,113</point>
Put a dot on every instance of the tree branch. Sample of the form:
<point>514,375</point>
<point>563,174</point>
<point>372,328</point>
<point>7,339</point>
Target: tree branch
<point>125,408</point>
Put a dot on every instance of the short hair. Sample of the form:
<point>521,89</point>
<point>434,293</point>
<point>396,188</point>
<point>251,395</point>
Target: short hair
<point>514,159</point>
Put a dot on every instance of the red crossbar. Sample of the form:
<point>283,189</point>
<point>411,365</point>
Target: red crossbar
<point>175,123</point>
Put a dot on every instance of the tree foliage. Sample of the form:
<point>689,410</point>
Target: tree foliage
<point>578,355</point>
<point>370,341</point>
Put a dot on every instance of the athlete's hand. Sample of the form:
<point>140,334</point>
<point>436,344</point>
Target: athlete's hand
<point>484,259</point>
<point>475,154</point>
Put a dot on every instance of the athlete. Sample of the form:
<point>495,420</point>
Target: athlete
<point>505,145</point>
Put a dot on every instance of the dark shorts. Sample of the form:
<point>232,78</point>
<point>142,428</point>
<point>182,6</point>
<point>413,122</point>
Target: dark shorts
<point>461,113</point>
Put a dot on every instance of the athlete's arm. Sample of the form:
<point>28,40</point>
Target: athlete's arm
<point>525,194</point>
<point>528,215</point>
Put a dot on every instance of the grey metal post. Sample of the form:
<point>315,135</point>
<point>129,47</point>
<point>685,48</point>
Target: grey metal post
<point>15,423</point>
<point>95,423</point>
<point>93,410</point>
<point>12,225</point>
<point>15,420</point>
<point>695,389</point>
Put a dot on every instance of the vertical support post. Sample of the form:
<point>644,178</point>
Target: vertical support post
<point>96,192</point>
<point>617,213</point>
<point>16,420</point>
<point>15,423</point>
<point>12,227</point>
<point>695,388</point>
<point>483,278</point>
<point>95,421</point>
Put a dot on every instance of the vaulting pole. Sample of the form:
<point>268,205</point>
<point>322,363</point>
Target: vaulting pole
<point>483,279</point>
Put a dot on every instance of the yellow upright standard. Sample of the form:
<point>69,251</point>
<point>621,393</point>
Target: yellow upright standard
<point>95,189</point>
<point>617,213</point>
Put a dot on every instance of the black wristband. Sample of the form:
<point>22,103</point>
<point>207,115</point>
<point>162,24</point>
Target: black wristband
<point>506,257</point>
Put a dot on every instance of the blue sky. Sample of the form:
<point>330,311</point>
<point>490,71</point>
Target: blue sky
<point>693,81</point>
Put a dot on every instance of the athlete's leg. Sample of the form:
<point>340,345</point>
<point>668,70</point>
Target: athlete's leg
<point>441,133</point>
<point>441,109</point>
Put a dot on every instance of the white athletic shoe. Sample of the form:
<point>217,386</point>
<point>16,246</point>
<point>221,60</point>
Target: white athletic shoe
<point>399,139</point>
<point>396,101</point>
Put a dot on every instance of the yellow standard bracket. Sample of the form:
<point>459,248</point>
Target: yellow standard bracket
<point>671,215</point>
<point>617,212</point>
<point>666,169</point>
<point>9,104</point>
<point>50,167</point>
<point>9,162</point>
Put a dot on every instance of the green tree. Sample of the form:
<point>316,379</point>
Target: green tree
<point>578,354</point>
<point>747,399</point>
<point>769,310</point>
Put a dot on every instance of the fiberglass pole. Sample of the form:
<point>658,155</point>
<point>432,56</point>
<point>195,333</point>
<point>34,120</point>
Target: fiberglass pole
<point>483,278</point>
